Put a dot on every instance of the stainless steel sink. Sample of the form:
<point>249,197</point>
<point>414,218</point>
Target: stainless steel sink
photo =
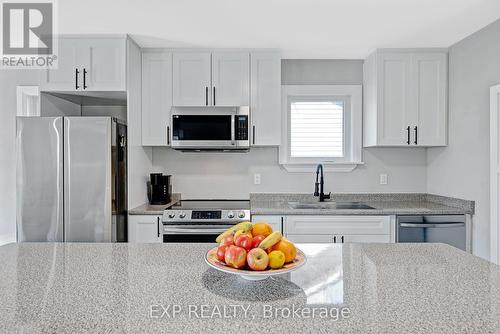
<point>330,205</point>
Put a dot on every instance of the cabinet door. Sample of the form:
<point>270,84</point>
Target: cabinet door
<point>156,98</point>
<point>70,58</point>
<point>144,229</point>
<point>230,79</point>
<point>105,64</point>
<point>394,99</point>
<point>191,79</point>
<point>430,81</point>
<point>276,222</point>
<point>265,103</point>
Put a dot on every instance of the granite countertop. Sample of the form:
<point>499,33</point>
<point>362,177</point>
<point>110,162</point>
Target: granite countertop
<point>383,204</point>
<point>156,210</point>
<point>350,288</point>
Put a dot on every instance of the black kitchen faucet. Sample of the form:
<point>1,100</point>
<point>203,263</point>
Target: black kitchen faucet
<point>318,186</point>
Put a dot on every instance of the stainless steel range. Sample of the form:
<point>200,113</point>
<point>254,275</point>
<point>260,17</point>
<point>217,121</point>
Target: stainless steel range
<point>202,220</point>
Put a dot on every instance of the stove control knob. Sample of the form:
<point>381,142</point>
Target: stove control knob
<point>230,214</point>
<point>171,214</point>
<point>241,214</point>
<point>182,214</point>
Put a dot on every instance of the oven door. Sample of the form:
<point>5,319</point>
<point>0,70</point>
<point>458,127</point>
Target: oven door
<point>221,130</point>
<point>193,232</point>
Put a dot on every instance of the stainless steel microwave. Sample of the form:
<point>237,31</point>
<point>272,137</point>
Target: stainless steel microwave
<point>204,129</point>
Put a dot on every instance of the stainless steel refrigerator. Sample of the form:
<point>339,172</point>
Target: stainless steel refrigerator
<point>71,179</point>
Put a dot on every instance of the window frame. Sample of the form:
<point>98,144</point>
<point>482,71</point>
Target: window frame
<point>352,97</point>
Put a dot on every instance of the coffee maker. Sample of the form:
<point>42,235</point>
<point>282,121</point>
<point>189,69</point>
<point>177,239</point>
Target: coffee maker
<point>159,189</point>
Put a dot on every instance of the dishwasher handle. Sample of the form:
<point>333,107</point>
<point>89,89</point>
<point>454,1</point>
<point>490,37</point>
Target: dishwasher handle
<point>434,225</point>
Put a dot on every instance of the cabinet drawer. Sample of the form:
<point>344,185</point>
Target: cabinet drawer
<point>310,238</point>
<point>329,238</point>
<point>337,225</point>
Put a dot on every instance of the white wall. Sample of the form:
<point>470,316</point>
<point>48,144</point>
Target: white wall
<point>462,168</point>
<point>9,79</point>
<point>230,175</point>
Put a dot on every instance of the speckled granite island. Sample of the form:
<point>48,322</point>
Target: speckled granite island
<point>350,288</point>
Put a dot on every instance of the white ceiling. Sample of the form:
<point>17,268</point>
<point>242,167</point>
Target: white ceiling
<point>301,28</point>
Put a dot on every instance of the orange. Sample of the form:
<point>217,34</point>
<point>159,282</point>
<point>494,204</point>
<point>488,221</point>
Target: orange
<point>261,228</point>
<point>288,248</point>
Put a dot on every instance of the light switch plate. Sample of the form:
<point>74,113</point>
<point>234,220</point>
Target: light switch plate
<point>383,178</point>
<point>256,179</point>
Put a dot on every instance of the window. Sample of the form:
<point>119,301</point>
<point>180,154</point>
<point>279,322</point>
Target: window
<point>321,124</point>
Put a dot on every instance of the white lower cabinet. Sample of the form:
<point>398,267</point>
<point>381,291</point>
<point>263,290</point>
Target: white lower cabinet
<point>144,229</point>
<point>339,229</point>
<point>276,222</point>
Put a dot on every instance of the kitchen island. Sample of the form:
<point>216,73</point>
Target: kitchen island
<point>350,288</point>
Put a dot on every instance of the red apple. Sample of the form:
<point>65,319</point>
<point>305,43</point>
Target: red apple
<point>243,240</point>
<point>236,257</point>
<point>221,252</point>
<point>229,240</point>
<point>257,240</point>
<point>257,259</point>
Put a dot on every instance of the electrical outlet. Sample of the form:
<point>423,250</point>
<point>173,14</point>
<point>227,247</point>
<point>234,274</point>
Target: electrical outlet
<point>383,178</point>
<point>256,179</point>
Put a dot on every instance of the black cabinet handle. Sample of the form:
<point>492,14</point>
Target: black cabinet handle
<point>214,95</point>
<point>158,225</point>
<point>168,135</point>
<point>84,78</point>
<point>282,227</point>
<point>408,133</point>
<point>76,79</point>
<point>342,239</point>
<point>416,135</point>
<point>253,134</point>
<point>335,239</point>
<point>206,96</point>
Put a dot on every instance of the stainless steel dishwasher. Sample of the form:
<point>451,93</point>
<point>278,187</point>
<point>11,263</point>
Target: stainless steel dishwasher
<point>449,229</point>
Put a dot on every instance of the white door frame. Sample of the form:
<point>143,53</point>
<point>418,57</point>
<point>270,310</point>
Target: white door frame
<point>494,174</point>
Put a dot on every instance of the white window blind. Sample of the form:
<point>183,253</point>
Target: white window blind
<point>317,129</point>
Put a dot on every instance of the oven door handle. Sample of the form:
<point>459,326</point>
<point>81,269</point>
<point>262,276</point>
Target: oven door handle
<point>167,230</point>
<point>444,225</point>
<point>233,130</point>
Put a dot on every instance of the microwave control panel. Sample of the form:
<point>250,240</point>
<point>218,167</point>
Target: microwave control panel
<point>241,128</point>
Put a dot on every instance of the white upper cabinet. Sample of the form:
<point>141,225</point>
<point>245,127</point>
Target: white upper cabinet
<point>230,79</point>
<point>265,104</point>
<point>191,79</point>
<point>430,70</point>
<point>156,98</point>
<point>211,79</point>
<point>405,98</point>
<point>94,64</point>
<point>68,74</point>
<point>106,61</point>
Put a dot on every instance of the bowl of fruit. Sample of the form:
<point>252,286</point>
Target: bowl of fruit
<point>254,252</point>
